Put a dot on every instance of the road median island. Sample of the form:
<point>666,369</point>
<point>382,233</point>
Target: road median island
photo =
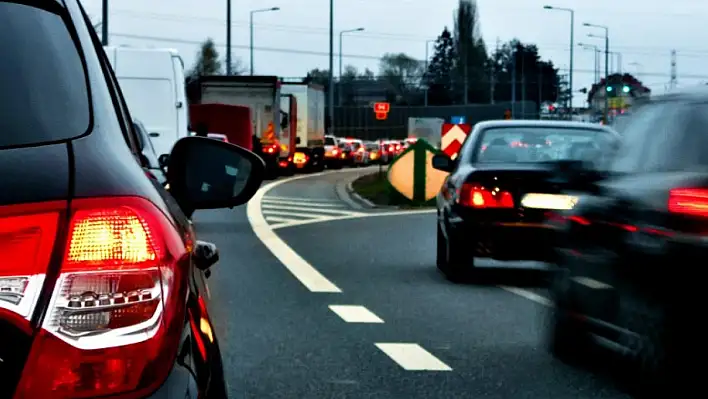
<point>376,188</point>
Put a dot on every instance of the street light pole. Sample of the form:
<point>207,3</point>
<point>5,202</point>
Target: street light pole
<point>331,67</point>
<point>251,27</point>
<point>607,63</point>
<point>596,60</point>
<point>341,34</point>
<point>572,48</point>
<point>104,21</point>
<point>228,37</point>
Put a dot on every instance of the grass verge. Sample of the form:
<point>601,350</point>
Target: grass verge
<point>376,188</point>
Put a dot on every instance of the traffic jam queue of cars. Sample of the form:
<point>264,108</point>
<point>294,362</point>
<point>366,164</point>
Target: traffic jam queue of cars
<point>352,152</point>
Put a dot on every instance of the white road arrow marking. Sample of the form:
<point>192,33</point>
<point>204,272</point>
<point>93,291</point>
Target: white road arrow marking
<point>454,134</point>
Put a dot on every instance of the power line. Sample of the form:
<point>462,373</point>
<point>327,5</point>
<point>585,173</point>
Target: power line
<point>309,30</point>
<point>350,56</point>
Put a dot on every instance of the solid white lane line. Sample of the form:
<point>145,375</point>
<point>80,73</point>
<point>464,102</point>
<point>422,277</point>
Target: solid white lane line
<point>298,199</point>
<point>313,209</point>
<point>312,204</point>
<point>312,279</point>
<point>413,357</point>
<point>532,296</point>
<point>279,219</point>
<point>355,314</point>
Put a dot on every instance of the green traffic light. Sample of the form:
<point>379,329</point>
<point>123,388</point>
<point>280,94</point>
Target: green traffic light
<point>625,89</point>
<point>609,88</point>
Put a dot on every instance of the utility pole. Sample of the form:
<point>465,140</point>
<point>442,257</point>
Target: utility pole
<point>331,67</point>
<point>540,88</point>
<point>228,37</point>
<point>466,78</point>
<point>674,79</point>
<point>523,85</point>
<point>104,22</point>
<point>513,82</point>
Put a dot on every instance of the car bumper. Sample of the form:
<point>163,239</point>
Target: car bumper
<point>506,241</point>
<point>179,384</point>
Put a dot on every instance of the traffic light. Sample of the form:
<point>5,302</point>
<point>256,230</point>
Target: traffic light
<point>507,114</point>
<point>609,89</point>
<point>625,89</point>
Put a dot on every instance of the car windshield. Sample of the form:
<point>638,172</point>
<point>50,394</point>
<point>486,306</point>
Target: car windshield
<point>542,144</point>
<point>329,141</point>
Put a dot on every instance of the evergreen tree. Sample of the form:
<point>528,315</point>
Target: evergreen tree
<point>207,62</point>
<point>472,55</point>
<point>439,75</point>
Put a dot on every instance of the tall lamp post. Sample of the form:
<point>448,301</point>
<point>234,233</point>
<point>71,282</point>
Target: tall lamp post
<point>596,53</point>
<point>607,62</point>
<point>341,34</point>
<point>572,47</point>
<point>251,25</point>
<point>330,89</point>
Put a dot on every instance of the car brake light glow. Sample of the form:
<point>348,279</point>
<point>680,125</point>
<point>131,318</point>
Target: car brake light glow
<point>689,201</point>
<point>477,196</point>
<point>115,317</point>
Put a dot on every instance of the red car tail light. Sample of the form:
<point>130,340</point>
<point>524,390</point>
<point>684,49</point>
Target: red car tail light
<point>116,314</point>
<point>477,196</point>
<point>689,201</point>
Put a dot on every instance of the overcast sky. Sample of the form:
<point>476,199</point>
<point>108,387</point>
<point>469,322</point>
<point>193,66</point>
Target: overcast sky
<point>293,40</point>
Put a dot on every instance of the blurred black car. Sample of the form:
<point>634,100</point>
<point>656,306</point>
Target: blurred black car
<point>102,280</point>
<point>499,192</point>
<point>631,250</point>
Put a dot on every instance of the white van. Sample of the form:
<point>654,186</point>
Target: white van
<point>153,84</point>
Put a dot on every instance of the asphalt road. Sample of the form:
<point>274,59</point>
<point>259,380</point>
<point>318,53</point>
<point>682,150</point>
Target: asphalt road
<point>347,303</point>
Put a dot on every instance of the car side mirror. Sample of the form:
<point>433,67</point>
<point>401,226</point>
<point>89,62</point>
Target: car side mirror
<point>211,174</point>
<point>164,160</point>
<point>297,140</point>
<point>284,122</point>
<point>443,162</point>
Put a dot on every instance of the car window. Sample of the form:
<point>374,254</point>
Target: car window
<point>41,76</point>
<point>531,144</point>
<point>329,141</point>
<point>628,158</point>
<point>664,149</point>
<point>692,149</point>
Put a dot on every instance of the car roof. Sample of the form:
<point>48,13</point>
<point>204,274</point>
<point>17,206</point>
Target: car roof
<point>541,123</point>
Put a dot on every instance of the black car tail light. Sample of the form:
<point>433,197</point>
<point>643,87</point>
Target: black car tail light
<point>477,196</point>
<point>689,201</point>
<point>115,317</point>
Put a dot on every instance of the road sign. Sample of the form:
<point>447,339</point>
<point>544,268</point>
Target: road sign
<point>452,138</point>
<point>412,173</point>
<point>382,107</point>
<point>381,115</point>
<point>457,120</point>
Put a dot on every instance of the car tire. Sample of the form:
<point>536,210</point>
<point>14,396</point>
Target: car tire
<point>568,338</point>
<point>451,261</point>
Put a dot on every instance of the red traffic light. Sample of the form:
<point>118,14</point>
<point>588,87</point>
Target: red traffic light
<point>382,107</point>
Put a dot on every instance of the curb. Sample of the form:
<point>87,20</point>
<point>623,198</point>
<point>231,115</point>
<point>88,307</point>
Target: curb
<point>346,193</point>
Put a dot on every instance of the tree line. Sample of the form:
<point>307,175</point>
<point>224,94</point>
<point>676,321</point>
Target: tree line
<point>460,70</point>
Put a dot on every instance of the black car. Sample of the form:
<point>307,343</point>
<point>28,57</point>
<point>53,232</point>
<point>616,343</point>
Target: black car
<point>500,190</point>
<point>631,251</point>
<point>102,280</point>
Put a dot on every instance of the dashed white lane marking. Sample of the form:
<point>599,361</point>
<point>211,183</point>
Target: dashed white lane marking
<point>306,209</point>
<point>312,279</point>
<point>532,296</point>
<point>355,314</point>
<point>591,283</point>
<point>296,199</point>
<point>413,357</point>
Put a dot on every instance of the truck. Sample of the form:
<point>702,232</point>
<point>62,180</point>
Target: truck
<point>153,84</point>
<point>230,122</point>
<point>310,124</point>
<point>262,94</point>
